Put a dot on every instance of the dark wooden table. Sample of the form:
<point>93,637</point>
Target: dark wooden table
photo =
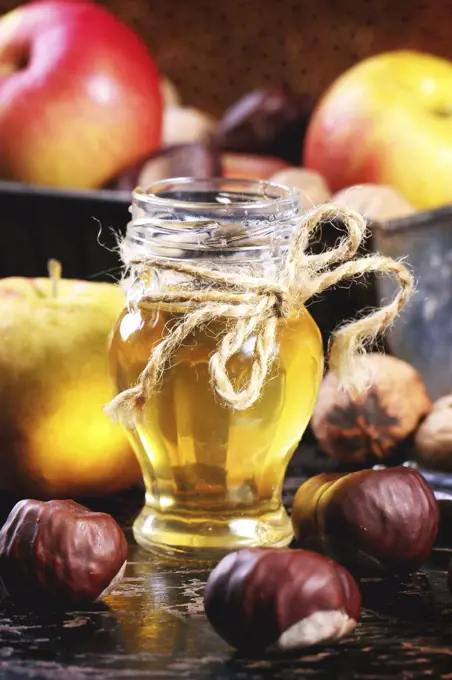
<point>153,626</point>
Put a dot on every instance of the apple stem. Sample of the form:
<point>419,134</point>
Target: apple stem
<point>54,269</point>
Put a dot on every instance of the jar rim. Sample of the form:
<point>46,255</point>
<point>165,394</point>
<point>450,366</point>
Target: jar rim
<point>245,220</point>
<point>282,195</point>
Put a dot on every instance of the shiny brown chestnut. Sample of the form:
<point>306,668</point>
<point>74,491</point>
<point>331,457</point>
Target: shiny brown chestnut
<point>179,160</point>
<point>60,552</point>
<point>269,599</point>
<point>372,521</point>
<point>449,577</point>
<point>269,121</point>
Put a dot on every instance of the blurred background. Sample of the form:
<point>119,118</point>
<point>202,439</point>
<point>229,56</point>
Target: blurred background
<point>215,52</point>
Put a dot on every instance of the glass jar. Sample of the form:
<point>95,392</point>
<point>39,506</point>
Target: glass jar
<point>213,474</point>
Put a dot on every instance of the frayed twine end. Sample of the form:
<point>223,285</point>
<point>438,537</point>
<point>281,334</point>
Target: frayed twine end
<point>127,408</point>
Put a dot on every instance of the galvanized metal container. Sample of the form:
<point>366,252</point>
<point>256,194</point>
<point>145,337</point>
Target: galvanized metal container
<point>423,333</point>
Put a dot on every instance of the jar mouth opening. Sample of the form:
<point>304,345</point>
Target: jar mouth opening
<point>232,220</point>
<point>234,194</point>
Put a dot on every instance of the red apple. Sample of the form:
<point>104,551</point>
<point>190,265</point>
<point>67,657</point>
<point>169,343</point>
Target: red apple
<point>79,95</point>
<point>387,120</point>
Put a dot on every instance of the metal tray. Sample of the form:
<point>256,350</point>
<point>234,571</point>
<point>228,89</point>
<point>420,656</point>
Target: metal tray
<point>76,228</point>
<point>422,335</point>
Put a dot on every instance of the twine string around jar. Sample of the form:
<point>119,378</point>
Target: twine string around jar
<point>252,306</point>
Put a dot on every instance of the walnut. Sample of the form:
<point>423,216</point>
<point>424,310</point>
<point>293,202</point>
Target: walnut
<point>434,437</point>
<point>313,187</point>
<point>374,424</point>
<point>183,125</point>
<point>377,202</point>
<point>170,94</point>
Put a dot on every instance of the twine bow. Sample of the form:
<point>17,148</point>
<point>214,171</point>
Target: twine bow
<point>253,305</point>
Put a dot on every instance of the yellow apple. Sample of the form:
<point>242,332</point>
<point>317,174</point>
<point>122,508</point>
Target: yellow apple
<point>55,440</point>
<point>387,120</point>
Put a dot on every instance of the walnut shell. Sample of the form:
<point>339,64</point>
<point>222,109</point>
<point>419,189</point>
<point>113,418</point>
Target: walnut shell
<point>185,125</point>
<point>313,187</point>
<point>170,94</point>
<point>373,425</point>
<point>377,202</point>
<point>434,437</point>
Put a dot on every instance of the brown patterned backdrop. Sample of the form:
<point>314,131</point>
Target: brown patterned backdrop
<point>216,50</point>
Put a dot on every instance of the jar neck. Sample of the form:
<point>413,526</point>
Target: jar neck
<point>226,222</point>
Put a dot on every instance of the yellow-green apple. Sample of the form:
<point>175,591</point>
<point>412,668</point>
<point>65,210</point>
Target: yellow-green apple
<point>387,120</point>
<point>80,95</point>
<point>55,440</point>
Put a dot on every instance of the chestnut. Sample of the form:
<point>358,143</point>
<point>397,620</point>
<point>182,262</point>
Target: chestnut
<point>269,121</point>
<point>449,577</point>
<point>372,521</point>
<point>179,160</point>
<point>60,552</point>
<point>270,599</point>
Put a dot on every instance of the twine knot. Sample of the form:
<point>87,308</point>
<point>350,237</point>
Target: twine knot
<point>252,306</point>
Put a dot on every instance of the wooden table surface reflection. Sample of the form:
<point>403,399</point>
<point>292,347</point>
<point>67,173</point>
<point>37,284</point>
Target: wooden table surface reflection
<point>153,626</point>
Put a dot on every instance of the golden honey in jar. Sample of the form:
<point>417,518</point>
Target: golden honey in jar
<point>213,474</point>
